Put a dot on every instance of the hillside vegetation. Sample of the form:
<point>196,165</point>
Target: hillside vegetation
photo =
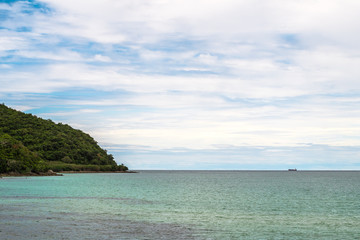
<point>31,144</point>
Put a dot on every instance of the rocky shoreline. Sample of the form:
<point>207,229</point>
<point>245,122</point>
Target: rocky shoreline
<point>52,173</point>
<point>29,174</point>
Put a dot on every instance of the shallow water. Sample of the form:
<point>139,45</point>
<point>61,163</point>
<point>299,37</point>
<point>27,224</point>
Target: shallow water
<point>182,205</point>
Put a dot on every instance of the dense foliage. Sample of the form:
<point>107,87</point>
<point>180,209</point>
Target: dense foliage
<point>15,157</point>
<point>32,142</point>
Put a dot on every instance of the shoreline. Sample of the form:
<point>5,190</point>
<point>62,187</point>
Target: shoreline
<point>30,174</point>
<point>98,172</point>
<point>51,173</point>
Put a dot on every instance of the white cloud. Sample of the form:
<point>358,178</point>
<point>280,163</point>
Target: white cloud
<point>11,42</point>
<point>208,59</point>
<point>5,66</point>
<point>62,55</point>
<point>101,58</point>
<point>140,21</point>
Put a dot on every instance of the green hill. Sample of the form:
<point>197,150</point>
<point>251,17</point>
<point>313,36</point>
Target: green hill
<point>31,144</point>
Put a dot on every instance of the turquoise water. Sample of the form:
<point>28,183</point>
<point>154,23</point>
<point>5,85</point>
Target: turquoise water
<point>182,205</point>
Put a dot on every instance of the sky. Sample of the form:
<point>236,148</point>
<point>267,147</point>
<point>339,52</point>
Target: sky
<point>215,84</point>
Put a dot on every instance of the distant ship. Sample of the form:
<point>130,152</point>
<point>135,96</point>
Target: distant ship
<point>292,169</point>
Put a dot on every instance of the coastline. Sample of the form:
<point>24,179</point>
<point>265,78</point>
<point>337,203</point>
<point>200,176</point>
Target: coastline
<point>51,173</point>
<point>98,172</point>
<point>29,174</point>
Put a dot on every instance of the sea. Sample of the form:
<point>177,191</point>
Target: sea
<point>182,205</point>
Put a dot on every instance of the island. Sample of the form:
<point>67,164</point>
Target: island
<point>30,145</point>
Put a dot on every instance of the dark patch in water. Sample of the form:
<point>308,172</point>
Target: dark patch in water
<point>81,226</point>
<point>65,225</point>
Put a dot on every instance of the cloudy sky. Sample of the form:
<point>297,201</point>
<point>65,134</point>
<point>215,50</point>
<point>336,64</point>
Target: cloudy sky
<point>180,84</point>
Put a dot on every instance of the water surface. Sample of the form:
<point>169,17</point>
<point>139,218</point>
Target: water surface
<point>182,205</point>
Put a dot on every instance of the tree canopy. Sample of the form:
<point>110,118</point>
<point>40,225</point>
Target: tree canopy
<point>30,143</point>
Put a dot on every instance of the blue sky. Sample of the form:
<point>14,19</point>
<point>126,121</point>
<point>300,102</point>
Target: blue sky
<point>192,84</point>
